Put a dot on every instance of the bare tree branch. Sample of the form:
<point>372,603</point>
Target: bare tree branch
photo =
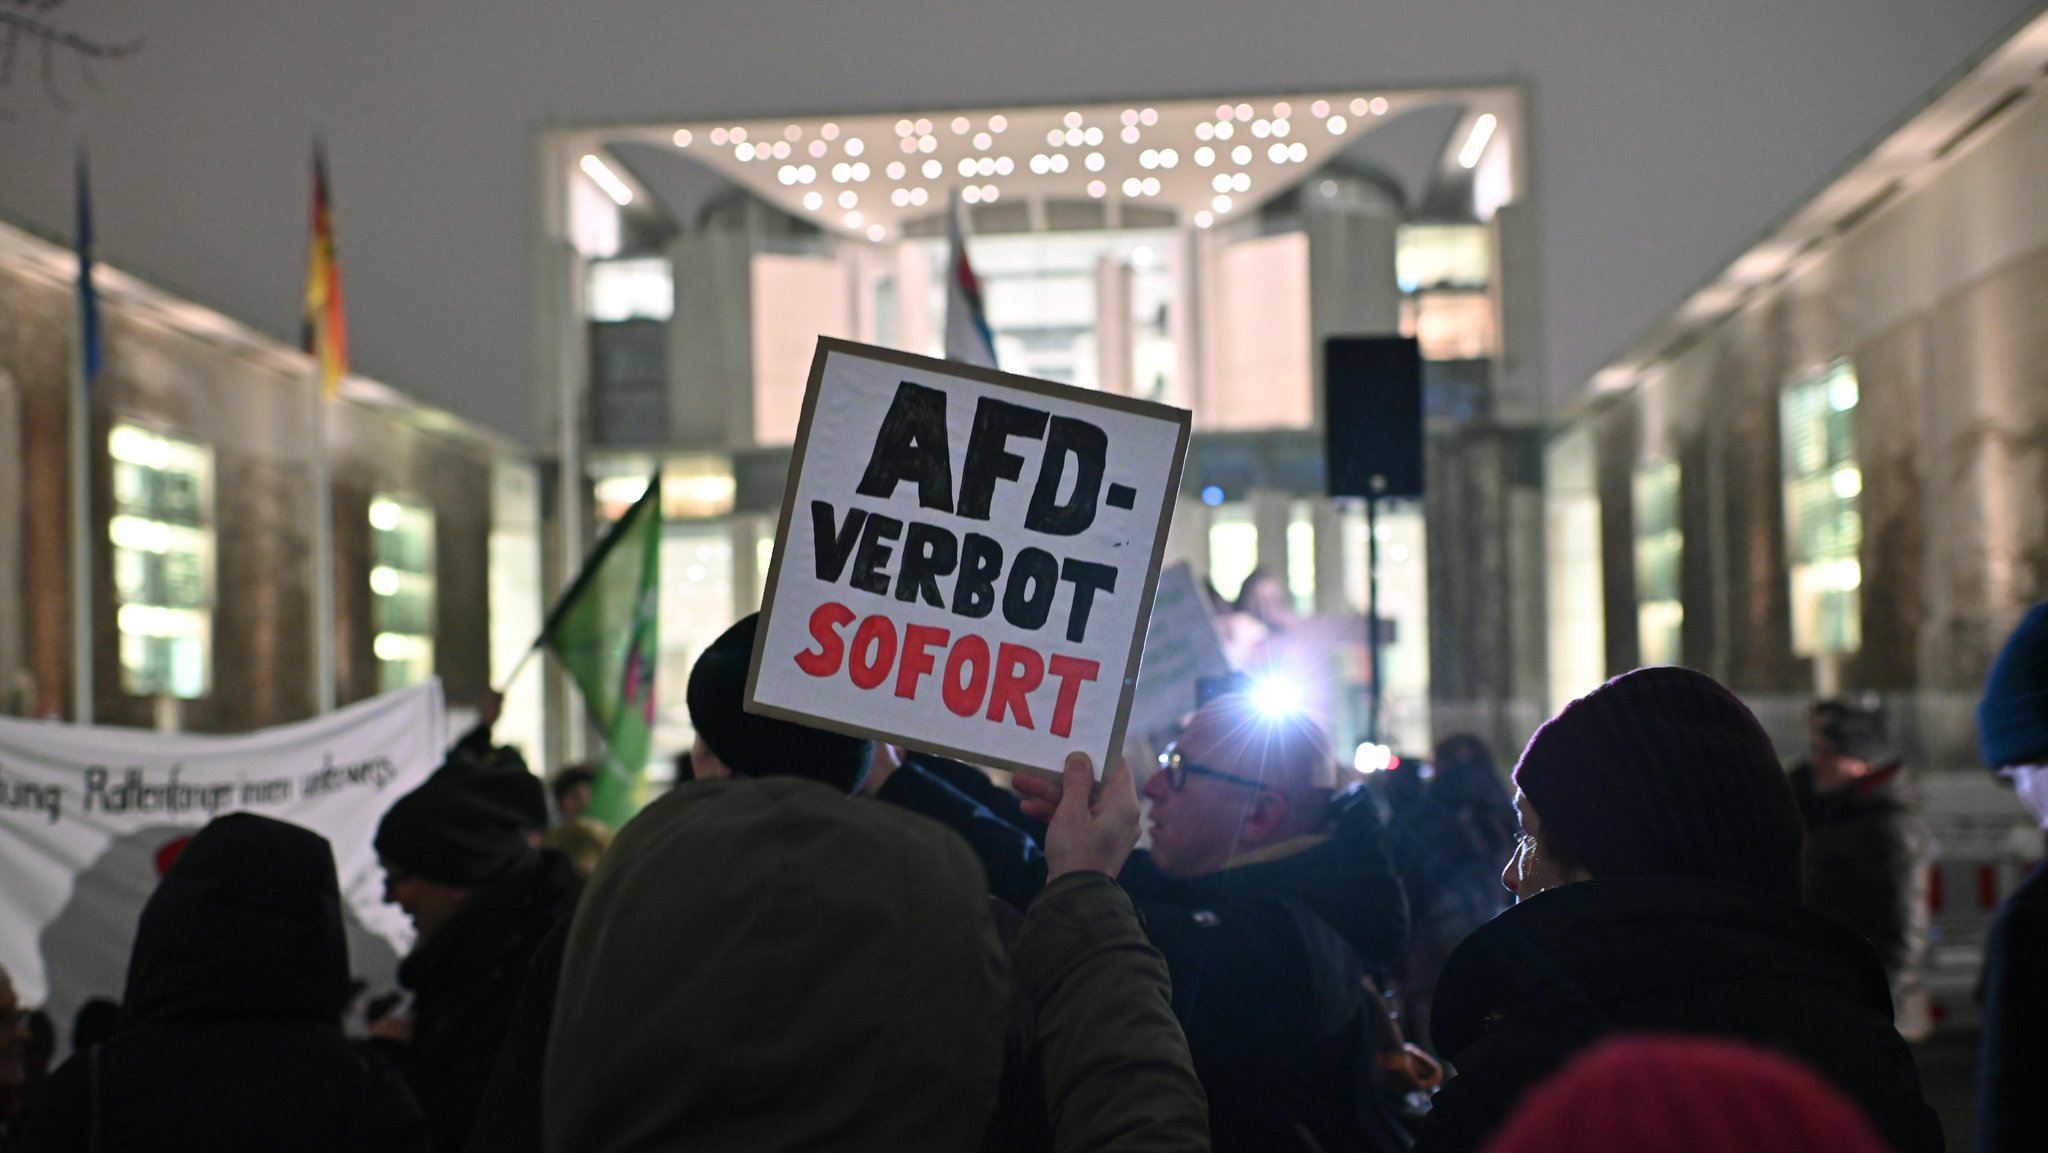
<point>29,20</point>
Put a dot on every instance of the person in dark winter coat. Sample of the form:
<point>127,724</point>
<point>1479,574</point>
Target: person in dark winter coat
<point>846,988</point>
<point>1685,1095</point>
<point>459,859</point>
<point>231,1030</point>
<point>2012,1064</point>
<point>731,742</point>
<point>1271,899</point>
<point>1867,849</point>
<point>1658,878</point>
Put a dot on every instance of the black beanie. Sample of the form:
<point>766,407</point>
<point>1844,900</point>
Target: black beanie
<point>2012,719</point>
<point>450,833</point>
<point>1663,772</point>
<point>516,790</point>
<point>756,746</point>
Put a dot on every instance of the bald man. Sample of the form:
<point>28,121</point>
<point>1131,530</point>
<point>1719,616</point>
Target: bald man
<point>1271,896</point>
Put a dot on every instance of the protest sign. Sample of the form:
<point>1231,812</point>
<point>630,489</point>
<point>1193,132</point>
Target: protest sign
<point>89,818</point>
<point>1181,647</point>
<point>966,559</point>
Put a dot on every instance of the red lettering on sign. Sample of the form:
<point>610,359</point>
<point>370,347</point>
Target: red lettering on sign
<point>1018,671</point>
<point>874,651</point>
<point>965,697</point>
<point>996,686</point>
<point>1072,672</point>
<point>826,621</point>
<point>918,641</point>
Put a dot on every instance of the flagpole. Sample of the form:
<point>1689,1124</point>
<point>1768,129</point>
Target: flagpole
<point>323,553</point>
<point>570,512</point>
<point>82,584</point>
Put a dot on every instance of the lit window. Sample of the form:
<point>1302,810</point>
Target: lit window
<point>1233,549</point>
<point>642,288</point>
<point>401,592</point>
<point>162,533</point>
<point>1823,510</point>
<point>1450,325</point>
<point>1443,256</point>
<point>1660,548</point>
<point>1301,558</point>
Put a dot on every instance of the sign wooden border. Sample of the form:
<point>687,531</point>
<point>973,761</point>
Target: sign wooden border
<point>1181,418</point>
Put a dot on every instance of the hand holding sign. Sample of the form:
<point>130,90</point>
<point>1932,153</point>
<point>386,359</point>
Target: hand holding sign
<point>1089,827</point>
<point>966,559</point>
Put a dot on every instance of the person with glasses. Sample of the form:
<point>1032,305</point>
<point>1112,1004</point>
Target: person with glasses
<point>1271,896</point>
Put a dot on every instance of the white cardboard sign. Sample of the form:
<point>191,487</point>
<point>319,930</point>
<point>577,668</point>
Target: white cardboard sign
<point>1181,647</point>
<point>966,560</point>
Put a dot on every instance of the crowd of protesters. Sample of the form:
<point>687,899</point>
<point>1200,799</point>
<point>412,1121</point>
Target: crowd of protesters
<point>1650,936</point>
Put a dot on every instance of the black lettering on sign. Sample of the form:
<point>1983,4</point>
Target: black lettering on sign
<point>1088,578</point>
<point>877,543</point>
<point>912,446</point>
<point>981,558</point>
<point>929,552</point>
<point>989,458</point>
<point>1034,581</point>
<point>1088,445</point>
<point>833,546</point>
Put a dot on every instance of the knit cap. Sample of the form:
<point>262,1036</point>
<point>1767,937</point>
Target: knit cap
<point>1663,772</point>
<point>2012,718</point>
<point>450,832</point>
<point>1684,1095</point>
<point>758,746</point>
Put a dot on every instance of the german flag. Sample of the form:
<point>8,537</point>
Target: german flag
<point>324,333</point>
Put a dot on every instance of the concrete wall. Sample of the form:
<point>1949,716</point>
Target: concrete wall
<point>1936,301</point>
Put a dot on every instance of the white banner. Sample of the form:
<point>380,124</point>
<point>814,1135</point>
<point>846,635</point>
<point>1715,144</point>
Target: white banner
<point>86,812</point>
<point>966,559</point>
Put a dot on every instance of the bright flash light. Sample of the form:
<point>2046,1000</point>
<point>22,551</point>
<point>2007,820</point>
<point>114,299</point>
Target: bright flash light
<point>1276,696</point>
<point>1372,758</point>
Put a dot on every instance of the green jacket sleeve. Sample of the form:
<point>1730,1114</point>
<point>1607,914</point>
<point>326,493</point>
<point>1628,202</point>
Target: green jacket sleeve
<point>1118,1077</point>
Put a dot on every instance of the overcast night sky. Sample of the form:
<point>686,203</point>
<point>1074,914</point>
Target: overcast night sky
<point>1666,137</point>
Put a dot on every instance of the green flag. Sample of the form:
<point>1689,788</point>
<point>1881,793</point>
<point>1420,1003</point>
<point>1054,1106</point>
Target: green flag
<point>605,631</point>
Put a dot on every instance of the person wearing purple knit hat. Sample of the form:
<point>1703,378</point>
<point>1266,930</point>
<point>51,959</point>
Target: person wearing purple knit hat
<point>1657,879</point>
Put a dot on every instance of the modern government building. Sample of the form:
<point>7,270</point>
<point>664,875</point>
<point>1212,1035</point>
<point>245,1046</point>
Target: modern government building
<point>1821,475</point>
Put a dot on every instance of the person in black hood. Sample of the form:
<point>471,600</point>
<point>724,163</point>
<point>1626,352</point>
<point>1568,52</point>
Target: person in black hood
<point>1271,898</point>
<point>1659,886</point>
<point>458,857</point>
<point>230,1034</point>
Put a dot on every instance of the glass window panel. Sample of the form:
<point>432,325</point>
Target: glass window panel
<point>642,288</point>
<point>163,546</point>
<point>1301,558</point>
<point>1444,256</point>
<point>402,591</point>
<point>1823,486</point>
<point>1233,549</point>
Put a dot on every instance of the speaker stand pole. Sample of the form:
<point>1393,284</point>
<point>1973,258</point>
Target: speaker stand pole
<point>1375,698</point>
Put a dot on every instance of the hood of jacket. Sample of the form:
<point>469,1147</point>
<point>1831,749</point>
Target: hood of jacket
<point>765,964</point>
<point>245,926</point>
